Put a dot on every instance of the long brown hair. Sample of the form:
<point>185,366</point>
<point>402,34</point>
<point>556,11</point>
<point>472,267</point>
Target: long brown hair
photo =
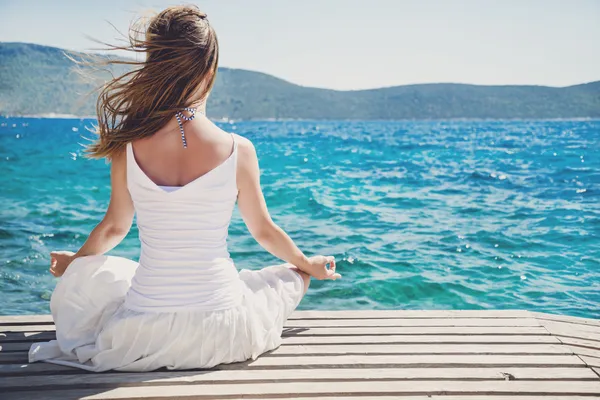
<point>182,55</point>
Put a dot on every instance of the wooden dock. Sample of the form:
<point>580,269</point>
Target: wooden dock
<point>450,355</point>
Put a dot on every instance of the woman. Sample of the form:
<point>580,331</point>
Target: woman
<point>184,305</point>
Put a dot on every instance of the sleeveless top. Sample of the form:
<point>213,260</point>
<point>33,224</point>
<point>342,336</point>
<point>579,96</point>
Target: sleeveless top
<point>184,262</point>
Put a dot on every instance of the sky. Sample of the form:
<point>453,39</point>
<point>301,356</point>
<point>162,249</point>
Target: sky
<point>351,44</point>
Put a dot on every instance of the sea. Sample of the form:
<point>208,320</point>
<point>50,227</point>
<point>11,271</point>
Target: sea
<point>458,214</point>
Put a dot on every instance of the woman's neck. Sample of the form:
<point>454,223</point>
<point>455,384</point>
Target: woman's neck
<point>200,106</point>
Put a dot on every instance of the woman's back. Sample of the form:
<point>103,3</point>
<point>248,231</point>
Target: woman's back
<point>165,160</point>
<point>184,199</point>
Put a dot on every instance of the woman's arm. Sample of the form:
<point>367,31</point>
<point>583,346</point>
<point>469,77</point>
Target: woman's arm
<point>114,226</point>
<point>271,237</point>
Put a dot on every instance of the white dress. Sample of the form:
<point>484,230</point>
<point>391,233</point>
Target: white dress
<point>184,305</point>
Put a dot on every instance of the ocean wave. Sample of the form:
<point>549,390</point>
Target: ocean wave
<point>429,214</point>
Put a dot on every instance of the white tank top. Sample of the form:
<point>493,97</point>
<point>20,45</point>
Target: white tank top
<point>184,262</point>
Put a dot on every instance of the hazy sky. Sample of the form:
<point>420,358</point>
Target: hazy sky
<point>347,44</point>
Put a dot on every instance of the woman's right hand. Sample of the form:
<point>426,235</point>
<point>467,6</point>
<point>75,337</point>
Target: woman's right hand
<point>317,268</point>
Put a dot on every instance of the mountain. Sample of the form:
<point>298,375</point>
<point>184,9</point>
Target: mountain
<point>37,79</point>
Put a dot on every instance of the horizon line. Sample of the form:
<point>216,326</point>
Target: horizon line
<point>331,89</point>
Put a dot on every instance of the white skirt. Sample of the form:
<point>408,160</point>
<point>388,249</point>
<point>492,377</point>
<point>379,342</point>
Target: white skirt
<point>96,332</point>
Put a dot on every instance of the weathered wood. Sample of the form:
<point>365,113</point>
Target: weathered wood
<point>6,337</point>
<point>456,349</point>
<point>568,326</point>
<point>569,330</point>
<point>592,344</point>
<point>584,351</point>
<point>408,325</point>
<point>407,360</point>
<point>424,397</point>
<point>591,361</point>
<point>395,354</point>
<point>544,337</point>
<point>36,368</point>
<point>16,346</point>
<point>20,333</point>
<point>415,339</point>
<point>390,339</point>
<point>566,318</point>
<point>368,314</point>
<point>60,395</point>
<point>14,358</point>
<point>422,349</point>
<point>328,388</point>
<point>301,323</point>
<point>286,361</point>
<point>398,339</point>
<point>26,319</point>
<point>27,328</point>
<point>327,347</point>
<point>312,375</point>
<point>420,330</point>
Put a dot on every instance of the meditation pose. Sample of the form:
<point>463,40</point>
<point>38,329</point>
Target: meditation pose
<point>184,304</point>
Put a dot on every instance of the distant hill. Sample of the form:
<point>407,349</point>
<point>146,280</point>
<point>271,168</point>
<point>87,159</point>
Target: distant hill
<point>38,79</point>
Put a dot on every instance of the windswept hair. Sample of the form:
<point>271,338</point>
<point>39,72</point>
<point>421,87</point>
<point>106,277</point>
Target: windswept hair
<point>182,55</point>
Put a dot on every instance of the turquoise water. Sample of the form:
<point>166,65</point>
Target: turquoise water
<point>420,215</point>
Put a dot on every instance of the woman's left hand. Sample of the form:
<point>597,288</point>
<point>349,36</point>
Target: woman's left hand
<point>59,262</point>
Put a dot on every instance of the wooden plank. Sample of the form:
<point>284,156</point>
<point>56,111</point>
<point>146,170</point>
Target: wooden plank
<point>29,336</point>
<point>36,368</point>
<point>434,397</point>
<point>368,314</point>
<point>358,349</point>
<point>413,322</point>
<point>405,339</point>
<point>567,326</point>
<point>492,327</point>
<point>584,351</point>
<point>597,371</point>
<point>422,349</point>
<point>402,361</point>
<point>19,357</point>
<point>416,330</point>
<point>569,330</point>
<point>566,318</point>
<point>16,346</point>
<point>386,330</point>
<point>591,361</point>
<point>61,395</point>
<point>398,388</point>
<point>312,375</point>
<point>27,328</point>
<point>26,319</point>
<point>440,397</point>
<point>394,360</point>
<point>391,339</point>
<point>578,342</point>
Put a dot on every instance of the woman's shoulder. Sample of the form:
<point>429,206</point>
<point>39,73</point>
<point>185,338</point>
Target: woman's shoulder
<point>244,145</point>
<point>247,159</point>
